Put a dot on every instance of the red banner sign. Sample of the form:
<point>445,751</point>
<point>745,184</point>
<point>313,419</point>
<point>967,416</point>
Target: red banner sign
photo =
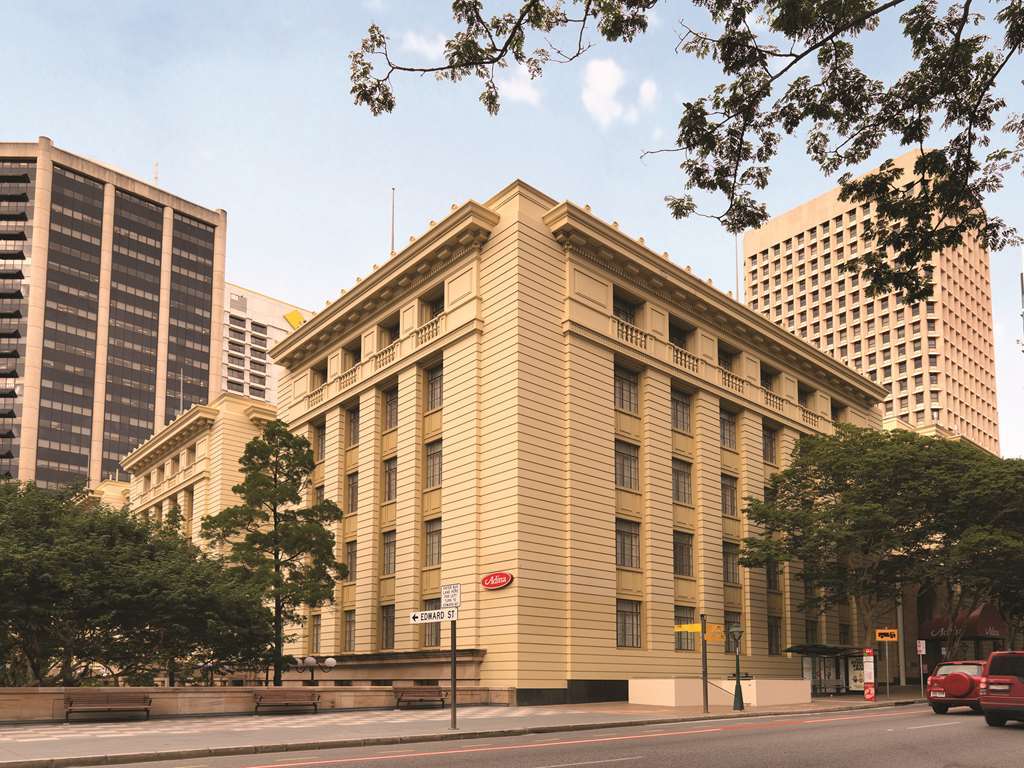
<point>497,580</point>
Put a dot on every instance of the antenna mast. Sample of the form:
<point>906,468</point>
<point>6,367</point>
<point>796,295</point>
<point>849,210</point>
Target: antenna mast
<point>392,251</point>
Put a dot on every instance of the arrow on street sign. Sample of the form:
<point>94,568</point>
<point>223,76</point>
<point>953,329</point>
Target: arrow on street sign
<point>434,617</point>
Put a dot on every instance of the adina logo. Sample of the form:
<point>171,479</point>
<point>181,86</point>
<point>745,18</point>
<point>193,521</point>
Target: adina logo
<point>497,580</point>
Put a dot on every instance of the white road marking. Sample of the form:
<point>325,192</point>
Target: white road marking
<point>933,725</point>
<point>591,762</point>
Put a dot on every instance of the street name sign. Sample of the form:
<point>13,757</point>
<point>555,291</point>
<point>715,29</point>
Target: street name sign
<point>434,617</point>
<point>687,628</point>
<point>451,595</point>
<point>887,635</point>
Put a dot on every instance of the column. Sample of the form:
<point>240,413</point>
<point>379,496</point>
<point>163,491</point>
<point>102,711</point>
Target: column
<point>220,237</point>
<point>658,519</point>
<point>99,386</point>
<point>408,517</point>
<point>751,484</point>
<point>368,530</point>
<point>160,407</point>
<point>707,488</point>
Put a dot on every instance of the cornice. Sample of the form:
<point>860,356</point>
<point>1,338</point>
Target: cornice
<point>199,418</point>
<point>582,233</point>
<point>465,229</point>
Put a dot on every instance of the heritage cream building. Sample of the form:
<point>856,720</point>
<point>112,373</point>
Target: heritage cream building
<point>525,388</point>
<point>935,359</point>
<point>192,463</point>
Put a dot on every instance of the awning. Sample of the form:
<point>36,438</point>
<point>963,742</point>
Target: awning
<point>984,623</point>
<point>820,649</point>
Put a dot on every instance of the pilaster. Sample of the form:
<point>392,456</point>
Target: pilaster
<point>99,386</point>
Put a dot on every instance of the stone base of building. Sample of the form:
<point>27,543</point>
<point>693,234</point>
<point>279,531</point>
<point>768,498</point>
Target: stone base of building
<point>687,692</point>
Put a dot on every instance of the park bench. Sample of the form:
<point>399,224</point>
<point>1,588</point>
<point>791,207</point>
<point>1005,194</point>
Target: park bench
<point>419,693</point>
<point>105,700</point>
<point>284,698</point>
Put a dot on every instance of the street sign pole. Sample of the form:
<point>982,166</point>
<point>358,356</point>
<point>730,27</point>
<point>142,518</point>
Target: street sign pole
<point>454,725</point>
<point>887,670</point>
<point>704,658</point>
<point>921,648</point>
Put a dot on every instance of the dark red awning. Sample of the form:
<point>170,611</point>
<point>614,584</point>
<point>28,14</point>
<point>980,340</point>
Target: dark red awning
<point>984,623</point>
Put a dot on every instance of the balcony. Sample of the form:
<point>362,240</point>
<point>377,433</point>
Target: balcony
<point>730,380</point>
<point>629,334</point>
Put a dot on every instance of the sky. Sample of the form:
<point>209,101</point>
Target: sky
<point>245,106</point>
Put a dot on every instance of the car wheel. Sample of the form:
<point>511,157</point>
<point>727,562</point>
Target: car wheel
<point>976,708</point>
<point>995,720</point>
<point>940,709</point>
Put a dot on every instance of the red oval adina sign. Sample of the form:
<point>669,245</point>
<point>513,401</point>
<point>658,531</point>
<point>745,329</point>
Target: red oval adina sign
<point>497,580</point>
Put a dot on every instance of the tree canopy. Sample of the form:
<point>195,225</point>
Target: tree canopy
<point>88,592</point>
<point>791,68</point>
<point>864,512</point>
<point>286,549</point>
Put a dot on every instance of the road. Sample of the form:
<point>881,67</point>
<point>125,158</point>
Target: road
<point>904,737</point>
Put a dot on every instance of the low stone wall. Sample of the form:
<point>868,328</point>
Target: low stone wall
<point>42,704</point>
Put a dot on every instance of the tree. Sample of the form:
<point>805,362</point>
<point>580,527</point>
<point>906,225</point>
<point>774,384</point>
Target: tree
<point>88,591</point>
<point>791,68</point>
<point>865,512</point>
<point>286,549</point>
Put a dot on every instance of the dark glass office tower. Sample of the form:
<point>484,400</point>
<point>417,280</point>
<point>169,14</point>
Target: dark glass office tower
<point>109,287</point>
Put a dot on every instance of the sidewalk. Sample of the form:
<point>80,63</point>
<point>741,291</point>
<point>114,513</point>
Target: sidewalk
<point>108,743</point>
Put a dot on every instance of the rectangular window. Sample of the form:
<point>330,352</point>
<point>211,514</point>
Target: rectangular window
<point>682,482</point>
<point>433,465</point>
<point>682,405</point>
<point>731,620</point>
<point>773,576</point>
<point>432,542</point>
<point>627,387</point>
<point>390,416</point>
<point>387,627</point>
<point>432,632</point>
<point>390,490</point>
<point>627,543</point>
<point>349,636</point>
<point>731,563</point>
<point>730,506</point>
<point>319,494</point>
<point>315,625</point>
<point>351,553</point>
<point>352,432</point>
<point>627,623</point>
<point>682,553</point>
<point>774,636</point>
<point>845,635</point>
<point>435,388</point>
<point>352,492</point>
<point>387,562</point>
<point>727,429</point>
<point>769,442</point>
<point>811,631</point>
<point>685,641</point>
<point>319,442</point>
<point>627,466</point>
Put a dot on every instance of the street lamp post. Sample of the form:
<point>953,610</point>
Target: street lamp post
<point>311,663</point>
<point>736,632</point>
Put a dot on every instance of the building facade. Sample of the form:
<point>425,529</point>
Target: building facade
<point>191,464</point>
<point>252,324</point>
<point>935,359</point>
<point>110,287</point>
<point>526,389</point>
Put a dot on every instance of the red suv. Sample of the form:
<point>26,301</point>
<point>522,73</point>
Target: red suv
<point>955,684</point>
<point>1002,687</point>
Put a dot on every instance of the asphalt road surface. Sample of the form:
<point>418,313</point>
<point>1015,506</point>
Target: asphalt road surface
<point>903,737</point>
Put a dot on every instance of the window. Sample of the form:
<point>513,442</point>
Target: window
<point>348,642</point>
<point>811,631</point>
<point>319,494</point>
<point>731,563</point>
<point>627,466</point>
<point>433,465</point>
<point>351,553</point>
<point>774,636</point>
<point>681,410</point>
<point>732,620</point>
<point>627,623</point>
<point>624,310</point>
<point>259,328</point>
<point>234,386</point>
<point>682,553</point>
<point>387,626</point>
<point>432,632</point>
<point>773,575</point>
<point>315,625</point>
<point>682,482</point>
<point>626,390</point>
<point>435,388</point>
<point>627,543</point>
<point>387,563</point>
<point>319,442</point>
<point>390,490</point>
<point>432,542</point>
<point>769,441</point>
<point>352,433</point>
<point>730,508</point>
<point>845,635</point>
<point>352,492</point>
<point>390,417</point>
<point>727,429</point>
<point>685,641</point>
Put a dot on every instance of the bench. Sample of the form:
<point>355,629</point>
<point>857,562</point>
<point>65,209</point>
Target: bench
<point>283,698</point>
<point>419,693</point>
<point>105,700</point>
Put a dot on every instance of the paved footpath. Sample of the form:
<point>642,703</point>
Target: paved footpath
<point>127,741</point>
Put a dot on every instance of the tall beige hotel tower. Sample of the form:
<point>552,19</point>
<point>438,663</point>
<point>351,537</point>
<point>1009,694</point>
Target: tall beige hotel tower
<point>935,359</point>
<point>111,294</point>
